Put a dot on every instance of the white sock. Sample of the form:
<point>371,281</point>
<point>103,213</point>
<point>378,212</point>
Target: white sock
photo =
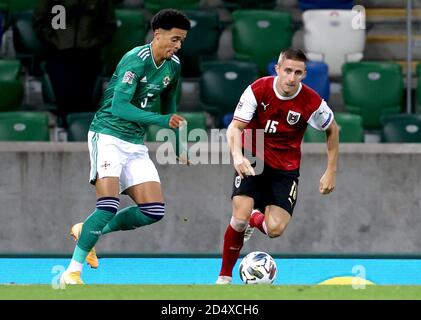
<point>75,266</point>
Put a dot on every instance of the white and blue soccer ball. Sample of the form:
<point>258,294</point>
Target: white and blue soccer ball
<point>258,267</point>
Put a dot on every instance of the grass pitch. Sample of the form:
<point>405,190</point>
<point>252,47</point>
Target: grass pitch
<point>209,292</point>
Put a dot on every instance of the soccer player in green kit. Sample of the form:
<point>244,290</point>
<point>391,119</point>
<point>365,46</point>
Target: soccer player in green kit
<point>119,159</point>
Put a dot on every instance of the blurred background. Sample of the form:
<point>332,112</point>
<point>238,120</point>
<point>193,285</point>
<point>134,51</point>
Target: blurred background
<point>364,61</point>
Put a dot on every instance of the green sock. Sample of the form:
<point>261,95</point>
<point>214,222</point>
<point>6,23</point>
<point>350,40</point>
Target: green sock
<point>127,219</point>
<point>90,234</point>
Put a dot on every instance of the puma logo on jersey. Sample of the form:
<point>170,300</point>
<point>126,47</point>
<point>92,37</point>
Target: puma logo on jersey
<point>237,181</point>
<point>264,105</point>
<point>144,79</point>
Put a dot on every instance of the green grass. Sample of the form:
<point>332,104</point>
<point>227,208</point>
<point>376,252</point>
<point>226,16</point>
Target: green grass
<point>208,292</point>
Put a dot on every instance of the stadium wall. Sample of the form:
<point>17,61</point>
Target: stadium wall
<point>375,208</point>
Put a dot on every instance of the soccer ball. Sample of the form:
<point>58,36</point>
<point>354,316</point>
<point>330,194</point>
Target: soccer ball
<point>257,267</point>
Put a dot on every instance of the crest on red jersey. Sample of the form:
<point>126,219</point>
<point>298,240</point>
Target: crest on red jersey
<point>293,117</point>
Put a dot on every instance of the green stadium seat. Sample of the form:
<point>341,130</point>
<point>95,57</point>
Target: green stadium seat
<point>78,124</point>
<point>11,87</point>
<point>196,47</point>
<point>403,128</point>
<point>248,4</point>
<point>372,89</point>
<point>130,33</point>
<point>350,129</point>
<point>24,126</point>
<point>260,35</point>
<point>314,136</point>
<point>156,5</point>
<point>221,86</point>
<point>195,120</point>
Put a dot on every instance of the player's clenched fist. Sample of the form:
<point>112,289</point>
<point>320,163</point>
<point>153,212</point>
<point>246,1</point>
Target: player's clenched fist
<point>176,121</point>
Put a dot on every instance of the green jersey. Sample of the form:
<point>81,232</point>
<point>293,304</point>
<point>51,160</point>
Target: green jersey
<point>136,85</point>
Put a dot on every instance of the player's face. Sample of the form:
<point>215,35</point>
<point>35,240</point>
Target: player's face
<point>290,73</point>
<point>169,41</point>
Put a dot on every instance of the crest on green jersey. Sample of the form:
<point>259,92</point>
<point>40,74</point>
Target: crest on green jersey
<point>166,81</point>
<point>128,77</point>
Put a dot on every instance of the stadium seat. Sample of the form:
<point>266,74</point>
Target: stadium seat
<point>226,119</point>
<point>78,124</point>
<point>26,42</point>
<point>197,47</point>
<point>156,5</point>
<point>372,89</point>
<point>317,78</point>
<point>248,4</point>
<point>221,85</point>
<point>329,36</point>
<point>325,4</point>
<point>11,87</point>
<point>350,129</point>
<point>404,128</point>
<point>271,68</point>
<point>24,126</point>
<point>314,136</point>
<point>195,120</point>
<point>130,33</point>
<point>260,35</point>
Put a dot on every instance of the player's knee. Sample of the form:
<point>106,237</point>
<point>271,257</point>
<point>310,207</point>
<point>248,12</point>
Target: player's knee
<point>276,231</point>
<point>155,211</point>
<point>238,225</point>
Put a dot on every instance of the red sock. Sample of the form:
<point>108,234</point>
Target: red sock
<point>256,221</point>
<point>233,242</point>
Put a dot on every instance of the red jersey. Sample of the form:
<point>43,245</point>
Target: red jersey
<point>283,119</point>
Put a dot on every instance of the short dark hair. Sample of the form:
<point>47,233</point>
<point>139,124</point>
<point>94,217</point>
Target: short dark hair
<point>170,18</point>
<point>293,54</point>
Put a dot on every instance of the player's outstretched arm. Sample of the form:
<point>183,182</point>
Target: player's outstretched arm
<point>241,164</point>
<point>123,108</point>
<point>328,179</point>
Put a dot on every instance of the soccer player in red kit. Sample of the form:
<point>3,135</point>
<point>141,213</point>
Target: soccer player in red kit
<point>282,106</point>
